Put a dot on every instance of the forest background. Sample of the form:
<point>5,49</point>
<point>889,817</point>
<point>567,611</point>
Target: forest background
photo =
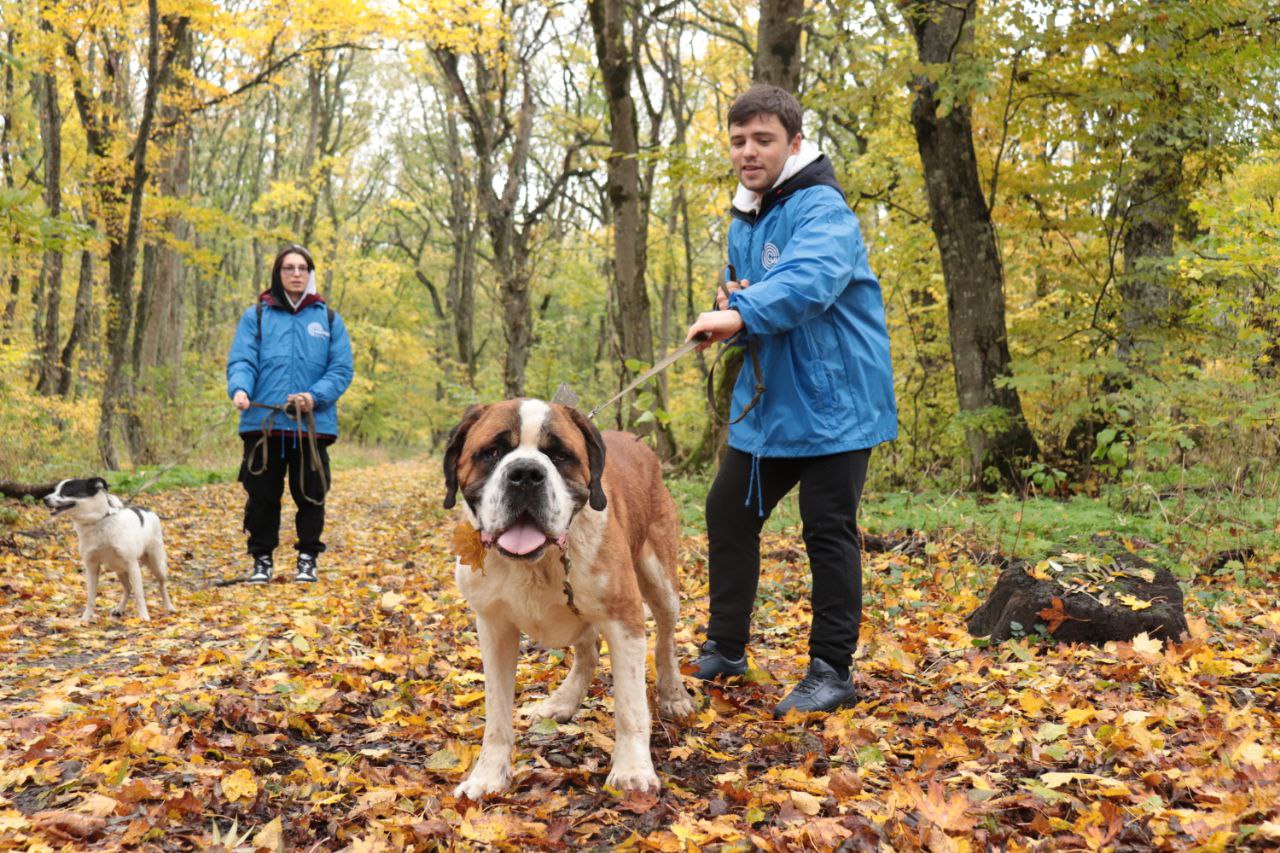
<point>1071,206</point>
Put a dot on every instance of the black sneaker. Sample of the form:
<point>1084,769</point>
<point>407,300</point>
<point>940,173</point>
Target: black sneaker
<point>712,664</point>
<point>262,566</point>
<point>306,569</point>
<point>822,689</point>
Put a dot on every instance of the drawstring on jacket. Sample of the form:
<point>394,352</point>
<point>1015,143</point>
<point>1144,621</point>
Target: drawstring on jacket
<point>755,484</point>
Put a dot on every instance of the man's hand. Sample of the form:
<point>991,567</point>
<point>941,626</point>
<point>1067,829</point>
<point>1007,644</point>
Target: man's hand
<point>241,400</point>
<point>720,325</point>
<point>302,402</point>
<point>722,298</point>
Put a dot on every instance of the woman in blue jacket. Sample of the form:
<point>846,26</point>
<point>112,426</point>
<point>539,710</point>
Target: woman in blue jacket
<point>290,351</point>
<point>809,309</point>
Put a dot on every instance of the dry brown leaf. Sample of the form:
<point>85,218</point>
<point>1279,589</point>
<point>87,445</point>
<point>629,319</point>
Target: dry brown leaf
<point>69,824</point>
<point>467,545</point>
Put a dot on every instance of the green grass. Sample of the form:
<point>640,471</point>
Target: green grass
<point>180,476</point>
<point>1182,525</point>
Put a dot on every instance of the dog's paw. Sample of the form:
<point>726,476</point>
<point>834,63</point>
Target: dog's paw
<point>676,706</point>
<point>118,610</point>
<point>550,708</point>
<point>480,784</point>
<point>86,618</point>
<point>634,779</point>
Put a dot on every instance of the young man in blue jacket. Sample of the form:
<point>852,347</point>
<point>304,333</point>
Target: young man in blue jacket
<point>809,310</point>
<point>290,350</point>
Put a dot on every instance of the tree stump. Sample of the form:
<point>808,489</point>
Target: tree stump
<point>1083,599</point>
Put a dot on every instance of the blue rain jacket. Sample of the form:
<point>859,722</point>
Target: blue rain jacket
<point>297,351</point>
<point>815,311</point>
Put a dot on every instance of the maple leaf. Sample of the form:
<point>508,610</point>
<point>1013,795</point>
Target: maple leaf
<point>1144,645</point>
<point>1056,614</point>
<point>949,815</point>
<point>467,545</point>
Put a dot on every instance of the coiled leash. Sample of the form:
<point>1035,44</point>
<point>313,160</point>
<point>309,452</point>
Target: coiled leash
<point>305,440</point>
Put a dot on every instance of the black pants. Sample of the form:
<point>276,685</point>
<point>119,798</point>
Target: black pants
<point>262,510</point>
<point>830,488</point>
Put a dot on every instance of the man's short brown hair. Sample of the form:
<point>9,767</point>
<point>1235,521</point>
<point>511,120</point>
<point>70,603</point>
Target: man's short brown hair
<point>763,99</point>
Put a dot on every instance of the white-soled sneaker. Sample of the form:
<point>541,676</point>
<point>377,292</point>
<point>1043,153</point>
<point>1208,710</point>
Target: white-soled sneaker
<point>262,566</point>
<point>306,569</point>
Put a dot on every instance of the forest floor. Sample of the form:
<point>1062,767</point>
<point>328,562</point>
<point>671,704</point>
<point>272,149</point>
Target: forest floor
<point>341,715</point>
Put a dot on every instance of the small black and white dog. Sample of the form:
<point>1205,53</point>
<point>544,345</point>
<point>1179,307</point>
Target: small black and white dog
<point>113,536</point>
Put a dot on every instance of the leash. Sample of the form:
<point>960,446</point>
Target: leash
<point>305,440</point>
<point>752,347</point>
<point>665,362</point>
<point>567,397</point>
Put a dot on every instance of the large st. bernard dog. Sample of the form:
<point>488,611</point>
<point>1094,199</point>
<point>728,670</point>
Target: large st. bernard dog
<point>539,481</point>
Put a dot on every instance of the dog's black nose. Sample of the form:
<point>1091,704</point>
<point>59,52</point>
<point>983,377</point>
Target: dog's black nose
<point>526,476</point>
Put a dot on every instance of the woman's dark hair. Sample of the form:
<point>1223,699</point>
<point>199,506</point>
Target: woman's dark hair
<point>763,99</point>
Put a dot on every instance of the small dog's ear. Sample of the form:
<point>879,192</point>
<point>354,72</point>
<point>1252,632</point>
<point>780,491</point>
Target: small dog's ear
<point>457,437</point>
<point>99,485</point>
<point>595,458</point>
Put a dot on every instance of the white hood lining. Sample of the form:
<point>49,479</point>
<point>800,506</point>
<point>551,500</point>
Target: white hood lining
<point>749,202</point>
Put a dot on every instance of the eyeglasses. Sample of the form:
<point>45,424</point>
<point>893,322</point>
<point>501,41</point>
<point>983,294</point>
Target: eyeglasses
<point>294,270</point>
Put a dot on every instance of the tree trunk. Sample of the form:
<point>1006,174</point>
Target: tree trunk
<point>80,325</point>
<point>122,236</point>
<point>971,265</point>
<point>778,53</point>
<point>46,86</point>
<point>509,241</point>
<point>1153,207</point>
<point>158,328</point>
<point>6,161</point>
<point>460,295</point>
<point>499,109</point>
<point>625,191</point>
<point>329,100</point>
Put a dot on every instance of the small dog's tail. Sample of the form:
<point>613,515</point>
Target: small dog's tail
<point>114,502</point>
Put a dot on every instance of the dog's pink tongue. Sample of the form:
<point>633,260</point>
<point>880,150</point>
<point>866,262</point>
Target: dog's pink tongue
<point>522,538</point>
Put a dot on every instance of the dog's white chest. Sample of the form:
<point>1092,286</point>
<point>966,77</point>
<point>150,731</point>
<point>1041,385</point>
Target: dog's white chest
<point>531,597</point>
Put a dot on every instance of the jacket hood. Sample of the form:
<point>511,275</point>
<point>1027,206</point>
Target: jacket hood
<point>269,298</point>
<point>809,168</point>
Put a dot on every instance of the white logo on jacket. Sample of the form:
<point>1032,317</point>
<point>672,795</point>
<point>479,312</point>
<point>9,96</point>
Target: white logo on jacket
<point>769,256</point>
<point>316,330</point>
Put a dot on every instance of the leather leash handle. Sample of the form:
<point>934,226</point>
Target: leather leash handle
<point>732,275</point>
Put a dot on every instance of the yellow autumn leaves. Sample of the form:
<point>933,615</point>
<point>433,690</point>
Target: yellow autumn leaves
<point>283,716</point>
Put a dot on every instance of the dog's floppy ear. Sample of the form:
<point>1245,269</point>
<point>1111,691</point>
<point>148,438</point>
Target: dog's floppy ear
<point>99,485</point>
<point>595,457</point>
<point>457,437</point>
